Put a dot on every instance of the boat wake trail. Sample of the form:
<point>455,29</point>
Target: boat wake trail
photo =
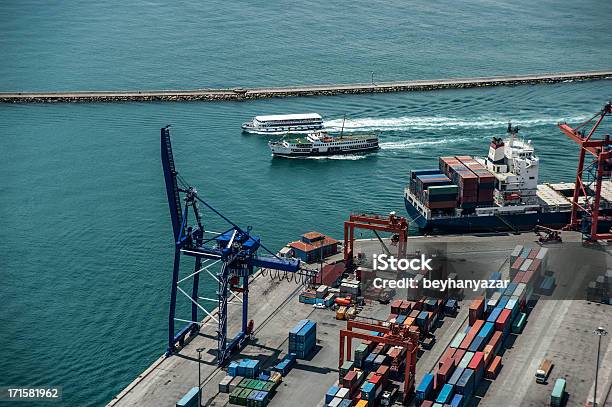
<point>415,144</point>
<point>436,122</point>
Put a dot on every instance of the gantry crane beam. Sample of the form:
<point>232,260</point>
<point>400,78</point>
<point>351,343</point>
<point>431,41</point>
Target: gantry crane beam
<point>391,223</point>
<point>599,167</point>
<point>394,335</point>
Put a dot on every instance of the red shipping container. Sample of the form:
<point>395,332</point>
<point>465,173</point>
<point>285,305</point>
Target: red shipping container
<point>495,341</point>
<point>445,372</point>
<point>349,379</point>
<point>517,263</point>
<point>476,309</point>
<point>458,355</point>
<point>533,253</point>
<point>414,313</point>
<point>503,320</point>
<point>519,277</point>
<point>382,370</point>
<point>405,307</point>
<point>493,369</point>
<point>477,361</point>
<point>528,277</point>
<point>376,379</point>
<point>427,403</point>
<point>446,355</point>
<point>395,306</point>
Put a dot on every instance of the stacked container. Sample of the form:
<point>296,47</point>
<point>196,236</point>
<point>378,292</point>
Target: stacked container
<point>486,180</point>
<point>302,338</point>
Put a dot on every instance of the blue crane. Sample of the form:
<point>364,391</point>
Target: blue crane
<point>233,251</point>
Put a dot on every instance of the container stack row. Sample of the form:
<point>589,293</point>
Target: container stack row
<point>486,180</point>
<point>251,392</point>
<point>473,354</point>
<point>433,189</point>
<point>244,367</point>
<point>303,338</point>
<point>366,380</point>
<point>476,184</point>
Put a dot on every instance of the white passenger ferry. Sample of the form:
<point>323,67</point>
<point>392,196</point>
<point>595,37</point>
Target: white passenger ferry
<point>278,124</point>
<point>321,143</point>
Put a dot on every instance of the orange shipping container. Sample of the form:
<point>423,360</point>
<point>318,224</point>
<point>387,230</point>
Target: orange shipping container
<point>493,369</point>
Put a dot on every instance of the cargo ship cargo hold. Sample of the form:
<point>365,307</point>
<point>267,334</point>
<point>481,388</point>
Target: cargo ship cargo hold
<point>496,193</point>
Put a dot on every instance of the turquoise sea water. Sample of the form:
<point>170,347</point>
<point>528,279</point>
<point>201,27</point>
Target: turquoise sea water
<point>84,228</point>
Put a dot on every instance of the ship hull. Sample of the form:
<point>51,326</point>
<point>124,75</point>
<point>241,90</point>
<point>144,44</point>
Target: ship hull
<point>475,224</point>
<point>324,153</point>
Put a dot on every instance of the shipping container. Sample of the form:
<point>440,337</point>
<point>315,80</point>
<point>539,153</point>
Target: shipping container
<point>445,394</point>
<point>519,323</point>
<point>494,368</point>
<point>456,342</point>
<point>503,322</point>
<point>465,385</point>
<point>465,360</point>
<point>456,375</point>
<point>558,393</point>
<point>425,388</point>
<point>457,400</point>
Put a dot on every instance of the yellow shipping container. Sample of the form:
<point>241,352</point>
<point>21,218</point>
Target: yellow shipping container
<point>362,403</point>
<point>340,314</point>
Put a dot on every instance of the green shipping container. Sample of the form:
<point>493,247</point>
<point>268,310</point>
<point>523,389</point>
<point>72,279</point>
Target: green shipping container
<point>558,393</point>
<point>443,190</point>
<point>235,394</point>
<point>458,339</point>
<point>519,323</point>
<point>242,397</point>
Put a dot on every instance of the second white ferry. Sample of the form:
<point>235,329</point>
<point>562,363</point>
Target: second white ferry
<point>278,124</point>
<point>321,143</point>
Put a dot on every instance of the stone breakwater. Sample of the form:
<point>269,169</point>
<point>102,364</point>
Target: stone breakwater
<point>237,94</point>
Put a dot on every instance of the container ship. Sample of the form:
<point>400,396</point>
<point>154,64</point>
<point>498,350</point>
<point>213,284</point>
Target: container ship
<point>496,193</point>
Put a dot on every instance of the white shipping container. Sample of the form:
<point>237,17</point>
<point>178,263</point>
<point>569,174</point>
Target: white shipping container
<point>342,393</point>
<point>526,264</point>
<point>516,253</point>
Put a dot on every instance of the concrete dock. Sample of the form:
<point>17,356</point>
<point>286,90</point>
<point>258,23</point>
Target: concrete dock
<point>306,90</point>
<point>561,330</point>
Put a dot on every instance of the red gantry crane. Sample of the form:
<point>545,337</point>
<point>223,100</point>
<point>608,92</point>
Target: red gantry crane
<point>377,223</point>
<point>393,335</point>
<point>586,215</point>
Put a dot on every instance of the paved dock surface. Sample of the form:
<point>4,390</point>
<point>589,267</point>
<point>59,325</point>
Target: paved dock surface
<point>305,90</point>
<point>558,329</point>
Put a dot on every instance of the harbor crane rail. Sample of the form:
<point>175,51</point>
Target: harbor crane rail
<point>229,257</point>
<point>590,174</point>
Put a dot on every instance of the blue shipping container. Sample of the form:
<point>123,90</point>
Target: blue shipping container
<point>457,400</point>
<point>445,394</point>
<point>455,376</point>
<point>465,385</point>
<point>494,314</point>
<point>477,344</point>
<point>425,387</point>
<point>331,393</point>
<point>487,330</point>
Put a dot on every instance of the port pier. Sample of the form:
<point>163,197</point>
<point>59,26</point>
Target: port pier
<point>237,94</point>
<point>557,329</point>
